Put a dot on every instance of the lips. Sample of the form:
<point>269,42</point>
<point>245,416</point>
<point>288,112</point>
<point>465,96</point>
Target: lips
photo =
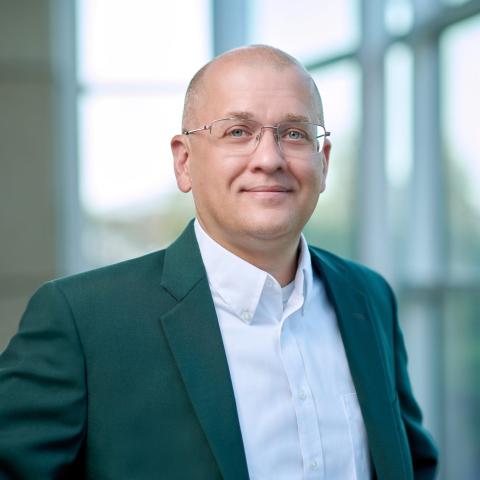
<point>267,189</point>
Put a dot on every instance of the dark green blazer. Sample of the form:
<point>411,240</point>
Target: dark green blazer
<point>120,373</point>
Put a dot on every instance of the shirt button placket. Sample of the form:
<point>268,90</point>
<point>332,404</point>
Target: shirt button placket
<point>313,465</point>
<point>246,315</point>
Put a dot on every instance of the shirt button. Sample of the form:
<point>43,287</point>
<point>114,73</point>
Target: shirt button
<point>246,315</point>
<point>269,282</point>
<point>314,465</point>
<point>302,395</point>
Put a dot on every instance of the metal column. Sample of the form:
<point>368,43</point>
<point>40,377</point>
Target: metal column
<point>426,262</point>
<point>371,224</point>
<point>229,24</point>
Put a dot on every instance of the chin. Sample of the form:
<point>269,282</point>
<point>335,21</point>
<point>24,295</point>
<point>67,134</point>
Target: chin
<point>270,230</point>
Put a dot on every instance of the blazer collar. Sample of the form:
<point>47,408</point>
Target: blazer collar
<point>367,355</point>
<point>183,267</point>
<point>192,331</point>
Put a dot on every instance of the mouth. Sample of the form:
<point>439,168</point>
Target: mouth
<point>267,189</point>
<point>268,195</point>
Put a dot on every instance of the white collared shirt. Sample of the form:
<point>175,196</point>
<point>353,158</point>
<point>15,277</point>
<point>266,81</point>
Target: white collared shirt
<point>296,402</point>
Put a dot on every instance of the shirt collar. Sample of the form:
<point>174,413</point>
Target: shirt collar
<point>240,284</point>
<point>303,277</point>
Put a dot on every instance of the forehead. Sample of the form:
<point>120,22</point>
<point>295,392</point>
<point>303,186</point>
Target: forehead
<point>269,93</point>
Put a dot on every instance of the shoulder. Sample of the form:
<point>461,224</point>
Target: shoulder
<point>353,273</point>
<point>119,296</point>
<point>355,287</point>
<point>129,271</point>
<point>128,280</point>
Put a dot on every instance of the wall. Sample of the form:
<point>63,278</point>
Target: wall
<point>27,157</point>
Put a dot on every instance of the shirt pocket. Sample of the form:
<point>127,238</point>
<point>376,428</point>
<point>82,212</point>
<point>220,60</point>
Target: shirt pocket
<point>358,436</point>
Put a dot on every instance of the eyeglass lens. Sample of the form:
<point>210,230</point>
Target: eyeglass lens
<point>299,139</point>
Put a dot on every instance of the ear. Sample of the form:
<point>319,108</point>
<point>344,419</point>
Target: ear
<point>181,155</point>
<point>326,156</point>
<point>325,163</point>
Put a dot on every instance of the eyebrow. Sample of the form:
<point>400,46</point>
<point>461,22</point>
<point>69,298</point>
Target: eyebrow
<point>296,118</point>
<point>290,117</point>
<point>240,115</point>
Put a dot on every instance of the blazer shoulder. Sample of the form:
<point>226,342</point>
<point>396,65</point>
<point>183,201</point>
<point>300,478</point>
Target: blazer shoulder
<point>118,276</point>
<point>362,276</point>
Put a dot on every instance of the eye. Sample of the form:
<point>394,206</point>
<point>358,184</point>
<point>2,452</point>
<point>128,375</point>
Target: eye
<point>295,135</point>
<point>238,132</point>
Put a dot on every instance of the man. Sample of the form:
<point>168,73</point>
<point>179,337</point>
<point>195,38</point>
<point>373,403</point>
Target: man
<point>238,352</point>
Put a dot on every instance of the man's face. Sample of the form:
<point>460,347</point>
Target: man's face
<point>250,201</point>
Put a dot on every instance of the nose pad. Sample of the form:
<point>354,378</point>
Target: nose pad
<point>276,137</point>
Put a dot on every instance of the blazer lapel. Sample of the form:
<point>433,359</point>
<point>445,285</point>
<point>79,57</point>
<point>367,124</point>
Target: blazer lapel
<point>192,331</point>
<point>374,382</point>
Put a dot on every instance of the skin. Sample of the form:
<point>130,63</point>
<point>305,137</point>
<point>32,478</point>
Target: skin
<point>257,205</point>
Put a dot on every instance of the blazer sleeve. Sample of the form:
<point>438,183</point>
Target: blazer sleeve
<point>422,448</point>
<point>42,392</point>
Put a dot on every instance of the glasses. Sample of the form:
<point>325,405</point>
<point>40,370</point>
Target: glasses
<point>241,137</point>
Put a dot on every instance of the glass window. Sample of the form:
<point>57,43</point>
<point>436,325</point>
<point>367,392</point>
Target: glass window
<point>308,30</point>
<point>398,16</point>
<point>125,148</point>
<point>398,82</point>
<point>134,66</point>
<point>131,41</point>
<point>455,2</point>
<point>461,142</point>
<point>462,384</point>
<point>399,145</point>
<point>331,225</point>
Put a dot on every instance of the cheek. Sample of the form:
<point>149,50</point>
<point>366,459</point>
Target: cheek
<point>225,176</point>
<point>321,182</point>
<point>214,177</point>
<point>309,176</point>
<point>319,174</point>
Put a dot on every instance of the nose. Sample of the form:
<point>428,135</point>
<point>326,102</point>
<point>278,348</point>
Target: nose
<point>274,132</point>
<point>267,154</point>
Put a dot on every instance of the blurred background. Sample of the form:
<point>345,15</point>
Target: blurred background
<point>91,92</point>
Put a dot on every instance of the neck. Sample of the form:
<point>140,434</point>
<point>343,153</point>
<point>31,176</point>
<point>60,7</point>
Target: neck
<point>277,257</point>
<point>281,263</point>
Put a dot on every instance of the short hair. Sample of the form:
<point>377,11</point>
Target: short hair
<point>264,53</point>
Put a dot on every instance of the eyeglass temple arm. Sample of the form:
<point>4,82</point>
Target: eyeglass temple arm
<point>189,132</point>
